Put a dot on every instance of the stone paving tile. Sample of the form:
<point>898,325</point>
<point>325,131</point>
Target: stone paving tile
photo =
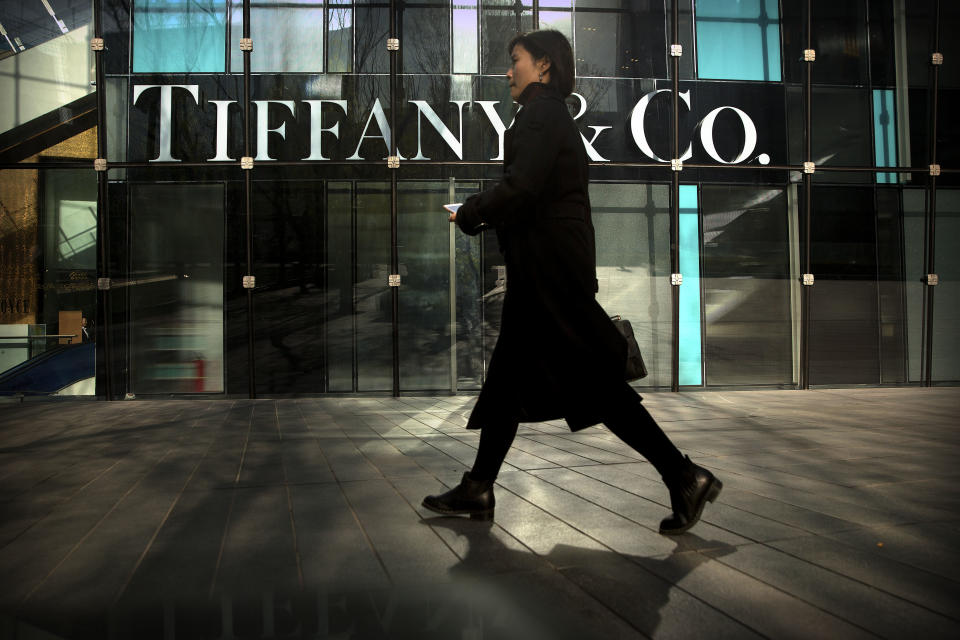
<point>922,588</point>
<point>221,516</point>
<point>859,603</point>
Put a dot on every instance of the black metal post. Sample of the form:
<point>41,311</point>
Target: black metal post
<point>675,204</point>
<point>929,248</point>
<point>248,197</point>
<point>103,209</point>
<point>806,290</point>
<point>394,239</point>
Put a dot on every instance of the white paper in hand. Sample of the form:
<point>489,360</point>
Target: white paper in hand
<point>452,208</point>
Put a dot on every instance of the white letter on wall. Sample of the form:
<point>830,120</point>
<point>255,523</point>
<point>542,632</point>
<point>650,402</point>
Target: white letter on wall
<point>263,123</point>
<point>455,143</point>
<point>166,113</point>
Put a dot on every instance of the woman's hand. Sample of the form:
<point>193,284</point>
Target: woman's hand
<point>453,217</point>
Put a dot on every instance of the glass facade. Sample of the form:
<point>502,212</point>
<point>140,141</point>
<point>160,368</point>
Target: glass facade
<point>266,215</point>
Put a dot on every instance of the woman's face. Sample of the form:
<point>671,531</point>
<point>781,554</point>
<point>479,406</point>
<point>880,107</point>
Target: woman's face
<point>524,70</point>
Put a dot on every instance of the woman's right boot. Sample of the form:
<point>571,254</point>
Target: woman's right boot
<point>471,497</point>
<point>691,488</point>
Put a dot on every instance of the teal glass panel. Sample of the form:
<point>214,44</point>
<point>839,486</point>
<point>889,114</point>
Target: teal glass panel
<point>689,238</point>
<point>179,36</point>
<point>885,133</point>
<point>738,40</point>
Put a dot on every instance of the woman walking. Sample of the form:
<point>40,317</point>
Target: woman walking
<point>558,354</point>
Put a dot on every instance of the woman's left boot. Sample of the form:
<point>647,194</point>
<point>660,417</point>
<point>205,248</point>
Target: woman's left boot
<point>471,497</point>
<point>691,488</point>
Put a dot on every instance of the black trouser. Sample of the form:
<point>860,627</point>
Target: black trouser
<point>629,420</point>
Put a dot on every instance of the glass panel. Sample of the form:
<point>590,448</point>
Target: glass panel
<point>287,36</point>
<point>31,24</point>
<point>892,289</point>
<point>430,352</point>
<point>844,322</point>
<point>339,309</point>
<point>839,37</point>
<point>502,20</point>
<point>747,286</point>
<point>883,70</point>
<point>920,23</point>
<point>885,133</point>
<point>179,36</point>
<point>44,76</point>
<point>628,42</point>
<point>48,275</point>
<point>176,307</point>
<point>287,245</point>
<point>914,207</point>
<point>841,130</point>
<point>466,47</point>
<point>632,224</point>
<point>949,75</point>
<point>691,361</point>
<point>374,306</point>
<point>115,119</point>
<point>339,37</point>
<point>738,40</point>
<point>688,66</point>
<point>946,305</point>
<point>561,21</point>
<point>948,136</point>
<point>372,55</point>
<point>424,40</point>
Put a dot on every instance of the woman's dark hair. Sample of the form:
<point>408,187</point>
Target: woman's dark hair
<point>554,46</point>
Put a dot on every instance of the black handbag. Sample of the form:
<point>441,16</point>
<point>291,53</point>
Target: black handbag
<point>635,368</point>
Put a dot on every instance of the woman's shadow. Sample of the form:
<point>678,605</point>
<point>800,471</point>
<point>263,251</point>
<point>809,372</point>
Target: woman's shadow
<point>501,589</point>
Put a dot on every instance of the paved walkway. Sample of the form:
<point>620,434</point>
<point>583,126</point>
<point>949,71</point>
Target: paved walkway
<point>839,518</point>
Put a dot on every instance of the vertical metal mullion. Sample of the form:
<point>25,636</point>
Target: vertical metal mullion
<point>929,246</point>
<point>103,206</point>
<point>394,249</point>
<point>325,282</point>
<point>807,206</point>
<point>675,204</point>
<point>354,254</point>
<point>248,196</point>
<point>452,274</point>
<point>876,208</point>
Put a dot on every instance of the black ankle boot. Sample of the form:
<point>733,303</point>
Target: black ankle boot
<point>690,489</point>
<point>470,497</point>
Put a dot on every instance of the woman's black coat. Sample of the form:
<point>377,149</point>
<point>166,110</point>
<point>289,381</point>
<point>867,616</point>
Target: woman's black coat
<point>558,354</point>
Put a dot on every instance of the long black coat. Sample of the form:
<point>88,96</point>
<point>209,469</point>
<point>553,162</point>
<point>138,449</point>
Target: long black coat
<point>558,354</point>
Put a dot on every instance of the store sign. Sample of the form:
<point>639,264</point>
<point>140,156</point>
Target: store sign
<point>324,129</point>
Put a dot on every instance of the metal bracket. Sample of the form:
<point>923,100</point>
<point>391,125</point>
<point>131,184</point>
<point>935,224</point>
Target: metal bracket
<point>807,280</point>
<point>809,167</point>
<point>104,284</point>
<point>936,58</point>
<point>809,55</point>
<point>676,164</point>
<point>246,162</point>
<point>100,164</point>
<point>393,280</point>
<point>934,169</point>
<point>249,282</point>
<point>676,50</point>
<point>393,44</point>
<point>393,162</point>
<point>96,44</point>
<point>246,44</point>
<point>676,279</point>
<point>933,279</point>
